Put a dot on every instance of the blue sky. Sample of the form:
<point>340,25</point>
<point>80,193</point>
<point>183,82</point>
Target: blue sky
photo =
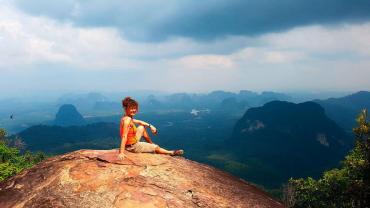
<point>185,45</point>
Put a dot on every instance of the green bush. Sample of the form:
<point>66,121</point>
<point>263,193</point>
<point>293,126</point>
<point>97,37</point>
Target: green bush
<point>348,186</point>
<point>12,161</point>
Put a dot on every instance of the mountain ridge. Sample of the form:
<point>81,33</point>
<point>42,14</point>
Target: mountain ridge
<point>344,110</point>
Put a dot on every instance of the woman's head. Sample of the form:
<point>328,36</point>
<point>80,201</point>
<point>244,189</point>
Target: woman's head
<point>130,105</point>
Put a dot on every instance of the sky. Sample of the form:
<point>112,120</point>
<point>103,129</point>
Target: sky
<point>183,45</point>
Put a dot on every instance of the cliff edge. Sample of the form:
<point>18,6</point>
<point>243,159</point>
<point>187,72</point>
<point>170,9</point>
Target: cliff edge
<point>95,178</point>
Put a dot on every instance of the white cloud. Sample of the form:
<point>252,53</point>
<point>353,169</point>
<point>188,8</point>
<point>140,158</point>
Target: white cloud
<point>27,40</point>
<point>30,40</point>
<point>275,57</point>
<point>312,57</point>
<point>203,62</point>
<point>319,39</point>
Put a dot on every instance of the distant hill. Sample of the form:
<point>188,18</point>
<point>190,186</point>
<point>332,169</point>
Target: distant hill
<point>216,100</point>
<point>58,139</point>
<point>86,103</point>
<point>83,100</point>
<point>281,140</point>
<point>344,110</point>
<point>68,115</point>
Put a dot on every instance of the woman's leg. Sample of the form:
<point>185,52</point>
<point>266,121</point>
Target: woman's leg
<point>146,136</point>
<point>160,150</point>
<point>141,131</point>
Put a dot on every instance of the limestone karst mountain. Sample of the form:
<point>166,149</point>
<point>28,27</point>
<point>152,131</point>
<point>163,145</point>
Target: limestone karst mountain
<point>281,139</point>
<point>95,178</point>
<point>68,115</point>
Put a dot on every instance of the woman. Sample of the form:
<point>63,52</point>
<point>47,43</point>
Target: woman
<point>131,135</point>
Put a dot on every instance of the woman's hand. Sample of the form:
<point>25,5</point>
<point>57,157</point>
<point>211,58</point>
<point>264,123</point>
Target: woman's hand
<point>121,156</point>
<point>153,129</point>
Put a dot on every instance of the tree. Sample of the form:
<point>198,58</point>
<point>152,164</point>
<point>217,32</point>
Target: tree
<point>2,135</point>
<point>348,186</point>
<point>11,161</point>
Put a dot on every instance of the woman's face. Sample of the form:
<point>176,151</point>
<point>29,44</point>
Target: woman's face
<point>131,111</point>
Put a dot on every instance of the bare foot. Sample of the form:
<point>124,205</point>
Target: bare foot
<point>177,152</point>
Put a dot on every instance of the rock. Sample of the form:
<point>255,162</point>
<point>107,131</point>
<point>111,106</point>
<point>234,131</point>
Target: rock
<point>95,178</point>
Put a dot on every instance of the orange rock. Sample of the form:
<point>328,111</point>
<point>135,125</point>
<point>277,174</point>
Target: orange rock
<point>96,178</point>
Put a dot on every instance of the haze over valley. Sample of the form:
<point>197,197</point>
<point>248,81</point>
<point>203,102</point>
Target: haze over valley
<point>265,138</point>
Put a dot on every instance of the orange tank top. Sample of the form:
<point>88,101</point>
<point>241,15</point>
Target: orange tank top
<point>131,135</point>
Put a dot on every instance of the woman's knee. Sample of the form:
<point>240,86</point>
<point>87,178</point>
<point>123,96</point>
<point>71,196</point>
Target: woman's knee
<point>140,128</point>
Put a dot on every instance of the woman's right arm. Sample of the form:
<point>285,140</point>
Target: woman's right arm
<point>126,123</point>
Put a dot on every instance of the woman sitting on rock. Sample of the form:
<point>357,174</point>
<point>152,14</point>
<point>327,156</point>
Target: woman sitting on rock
<point>131,135</point>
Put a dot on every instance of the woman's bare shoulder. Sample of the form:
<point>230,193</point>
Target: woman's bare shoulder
<point>126,119</point>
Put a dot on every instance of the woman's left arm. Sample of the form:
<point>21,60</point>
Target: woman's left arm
<point>152,128</point>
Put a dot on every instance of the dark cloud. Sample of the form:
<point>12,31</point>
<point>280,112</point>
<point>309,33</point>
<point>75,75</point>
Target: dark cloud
<point>156,20</point>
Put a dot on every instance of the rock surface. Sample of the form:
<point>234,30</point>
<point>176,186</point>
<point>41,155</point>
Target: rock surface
<point>95,178</point>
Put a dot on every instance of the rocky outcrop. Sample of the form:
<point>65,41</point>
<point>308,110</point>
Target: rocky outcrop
<point>95,178</point>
